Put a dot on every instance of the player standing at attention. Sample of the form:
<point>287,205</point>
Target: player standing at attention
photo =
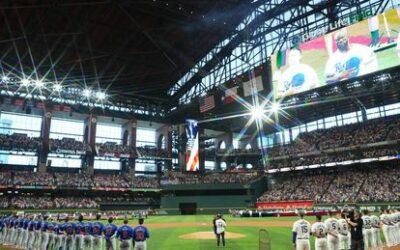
<point>356,226</point>
<point>344,234</point>
<point>110,231</point>
<point>140,236</point>
<point>375,236</point>
<point>87,235</point>
<point>31,233</point>
<point>319,230</point>
<point>367,229</point>
<point>44,234</point>
<point>220,225</point>
<point>301,233</point>
<point>125,234</point>
<point>333,231</point>
<point>38,233</point>
<point>97,231</point>
<point>79,233</point>
<point>50,231</point>
<point>69,230</point>
<point>1,229</point>
<point>58,236</point>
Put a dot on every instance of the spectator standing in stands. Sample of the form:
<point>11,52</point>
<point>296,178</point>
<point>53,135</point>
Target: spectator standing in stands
<point>356,226</point>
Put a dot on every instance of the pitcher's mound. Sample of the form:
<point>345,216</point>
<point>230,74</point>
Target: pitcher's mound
<point>209,236</point>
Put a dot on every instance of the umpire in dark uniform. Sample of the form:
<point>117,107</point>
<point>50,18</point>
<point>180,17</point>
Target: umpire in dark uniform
<point>356,224</point>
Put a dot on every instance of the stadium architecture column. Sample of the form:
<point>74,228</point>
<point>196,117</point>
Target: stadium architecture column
<point>164,141</point>
<point>129,130</point>
<point>45,148</point>
<point>182,147</point>
<point>90,141</point>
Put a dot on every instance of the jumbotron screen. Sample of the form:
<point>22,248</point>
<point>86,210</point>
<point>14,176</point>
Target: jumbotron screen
<point>362,48</point>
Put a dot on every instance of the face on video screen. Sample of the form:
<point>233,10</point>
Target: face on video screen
<point>362,48</point>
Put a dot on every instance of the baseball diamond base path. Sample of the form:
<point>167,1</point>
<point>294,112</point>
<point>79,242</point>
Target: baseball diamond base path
<point>209,236</point>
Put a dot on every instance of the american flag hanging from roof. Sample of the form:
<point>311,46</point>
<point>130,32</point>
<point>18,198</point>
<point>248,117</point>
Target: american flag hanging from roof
<point>207,103</point>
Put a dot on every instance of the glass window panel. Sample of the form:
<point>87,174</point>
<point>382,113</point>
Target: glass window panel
<point>26,160</point>
<point>148,166</point>
<point>235,143</point>
<point>392,109</point>
<point>223,165</point>
<point>65,162</point>
<point>108,133</point>
<point>107,165</point>
<point>145,137</point>
<point>20,123</point>
<point>373,113</point>
<point>61,128</point>
<point>209,165</point>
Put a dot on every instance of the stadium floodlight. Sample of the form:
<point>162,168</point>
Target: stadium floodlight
<point>257,112</point>
<point>86,93</point>
<point>275,106</point>
<point>39,84</point>
<point>25,82</point>
<point>5,78</point>
<point>101,96</point>
<point>57,87</point>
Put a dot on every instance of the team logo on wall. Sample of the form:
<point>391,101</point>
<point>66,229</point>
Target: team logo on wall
<point>192,146</point>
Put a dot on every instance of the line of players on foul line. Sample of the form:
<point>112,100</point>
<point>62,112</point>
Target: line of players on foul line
<point>41,233</point>
<point>351,231</point>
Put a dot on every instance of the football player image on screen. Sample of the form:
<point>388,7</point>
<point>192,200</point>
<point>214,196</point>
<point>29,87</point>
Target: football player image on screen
<point>349,60</point>
<point>298,77</point>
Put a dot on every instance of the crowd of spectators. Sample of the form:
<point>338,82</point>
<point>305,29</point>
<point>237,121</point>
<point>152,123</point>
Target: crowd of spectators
<point>19,142</point>
<point>29,179</point>
<point>70,144</point>
<point>112,148</point>
<point>345,186</point>
<point>176,178</point>
<point>151,152</point>
<point>111,181</point>
<point>5,178</point>
<point>47,202</point>
<point>236,151</point>
<point>145,182</point>
<point>334,157</point>
<point>350,135</point>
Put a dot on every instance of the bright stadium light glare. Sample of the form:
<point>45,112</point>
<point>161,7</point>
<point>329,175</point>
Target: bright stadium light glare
<point>25,82</point>
<point>275,106</point>
<point>39,84</point>
<point>257,112</point>
<point>57,87</point>
<point>86,93</point>
<point>5,78</point>
<point>100,95</point>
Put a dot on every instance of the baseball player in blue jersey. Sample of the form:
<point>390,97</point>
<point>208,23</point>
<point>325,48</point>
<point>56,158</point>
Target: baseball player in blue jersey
<point>87,235</point>
<point>10,231</point>
<point>110,231</point>
<point>38,238</point>
<point>51,235</point>
<point>140,236</point>
<point>31,234</point>
<point>58,236</point>
<point>125,234</point>
<point>69,231</point>
<point>1,229</point>
<point>97,231</point>
<point>44,234</point>
<point>79,233</point>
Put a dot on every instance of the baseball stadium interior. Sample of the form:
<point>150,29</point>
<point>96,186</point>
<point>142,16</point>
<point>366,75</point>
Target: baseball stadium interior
<point>195,124</point>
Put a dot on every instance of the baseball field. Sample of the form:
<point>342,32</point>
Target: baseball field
<point>194,232</point>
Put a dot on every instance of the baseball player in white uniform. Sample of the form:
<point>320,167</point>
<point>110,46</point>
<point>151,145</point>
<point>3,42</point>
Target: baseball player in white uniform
<point>349,60</point>
<point>344,233</point>
<point>395,228</point>
<point>375,236</point>
<point>367,229</point>
<point>333,232</point>
<point>386,224</point>
<point>319,230</point>
<point>301,233</point>
<point>298,77</point>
